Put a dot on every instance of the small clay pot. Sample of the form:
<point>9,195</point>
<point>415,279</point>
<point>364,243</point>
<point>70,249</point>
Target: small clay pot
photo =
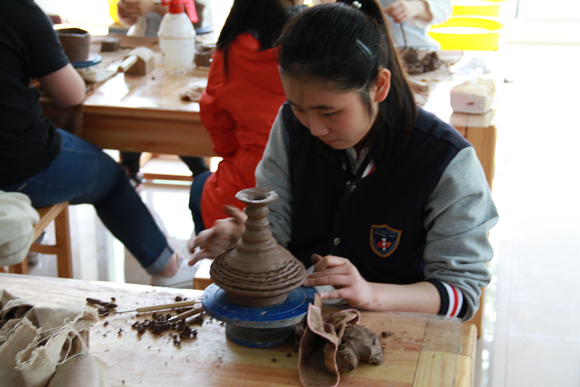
<point>203,54</point>
<point>75,42</point>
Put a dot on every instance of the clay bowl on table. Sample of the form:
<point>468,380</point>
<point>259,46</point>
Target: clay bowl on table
<point>75,42</point>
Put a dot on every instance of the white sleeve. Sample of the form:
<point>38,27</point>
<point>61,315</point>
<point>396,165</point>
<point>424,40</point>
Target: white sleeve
<point>441,10</point>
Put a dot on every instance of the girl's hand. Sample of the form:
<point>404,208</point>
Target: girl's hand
<point>401,11</point>
<point>129,9</point>
<point>344,276</point>
<point>222,237</point>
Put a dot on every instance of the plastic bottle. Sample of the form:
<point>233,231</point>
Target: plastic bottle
<point>177,35</point>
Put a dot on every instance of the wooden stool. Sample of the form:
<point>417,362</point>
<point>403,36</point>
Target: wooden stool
<point>202,279</point>
<point>477,318</point>
<point>62,247</point>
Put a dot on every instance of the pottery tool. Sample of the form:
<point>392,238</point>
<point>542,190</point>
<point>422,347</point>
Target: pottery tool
<point>160,307</point>
<point>140,61</point>
<point>185,315</point>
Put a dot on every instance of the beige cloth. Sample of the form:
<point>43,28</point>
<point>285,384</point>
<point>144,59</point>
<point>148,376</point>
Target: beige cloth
<point>317,366</point>
<point>38,339</point>
<point>17,220</point>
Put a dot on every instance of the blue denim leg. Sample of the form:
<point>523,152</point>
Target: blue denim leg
<point>82,173</point>
<point>195,200</point>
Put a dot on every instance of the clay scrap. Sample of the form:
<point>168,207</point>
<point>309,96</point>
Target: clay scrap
<point>334,345</point>
<point>416,63</point>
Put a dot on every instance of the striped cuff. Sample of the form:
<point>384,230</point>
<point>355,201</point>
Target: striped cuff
<point>452,304</point>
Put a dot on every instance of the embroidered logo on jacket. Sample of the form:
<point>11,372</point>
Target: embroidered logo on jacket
<point>384,240</point>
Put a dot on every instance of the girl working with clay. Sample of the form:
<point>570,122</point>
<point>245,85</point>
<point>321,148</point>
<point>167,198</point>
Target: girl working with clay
<point>388,202</point>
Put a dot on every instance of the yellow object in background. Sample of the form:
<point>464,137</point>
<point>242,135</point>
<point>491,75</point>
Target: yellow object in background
<point>468,33</point>
<point>476,7</point>
<point>113,11</point>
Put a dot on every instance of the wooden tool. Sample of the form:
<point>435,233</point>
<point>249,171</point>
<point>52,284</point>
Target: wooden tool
<point>140,61</point>
<point>185,315</point>
<point>161,307</point>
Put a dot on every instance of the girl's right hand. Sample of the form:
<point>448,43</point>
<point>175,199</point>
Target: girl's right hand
<point>129,9</point>
<point>222,237</point>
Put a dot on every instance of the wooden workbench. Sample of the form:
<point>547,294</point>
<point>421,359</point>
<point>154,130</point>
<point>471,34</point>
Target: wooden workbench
<point>422,351</point>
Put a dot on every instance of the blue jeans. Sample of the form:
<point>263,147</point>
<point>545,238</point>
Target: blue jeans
<point>82,173</point>
<point>195,200</point>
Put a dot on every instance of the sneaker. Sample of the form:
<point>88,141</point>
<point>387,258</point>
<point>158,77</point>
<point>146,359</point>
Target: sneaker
<point>183,279</point>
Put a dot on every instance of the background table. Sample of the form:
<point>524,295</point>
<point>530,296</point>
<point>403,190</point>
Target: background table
<point>144,113</point>
<point>422,351</point>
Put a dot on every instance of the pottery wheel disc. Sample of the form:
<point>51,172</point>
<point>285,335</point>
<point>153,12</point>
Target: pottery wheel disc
<point>258,327</point>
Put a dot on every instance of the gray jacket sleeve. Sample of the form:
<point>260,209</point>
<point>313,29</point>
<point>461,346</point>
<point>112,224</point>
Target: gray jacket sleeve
<point>272,173</point>
<point>459,215</point>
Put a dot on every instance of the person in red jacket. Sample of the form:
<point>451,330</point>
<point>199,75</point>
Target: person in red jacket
<point>240,103</point>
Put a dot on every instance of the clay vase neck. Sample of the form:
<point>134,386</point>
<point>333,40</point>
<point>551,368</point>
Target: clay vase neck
<point>258,271</point>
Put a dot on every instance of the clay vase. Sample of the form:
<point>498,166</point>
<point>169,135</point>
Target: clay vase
<point>75,42</point>
<point>258,271</point>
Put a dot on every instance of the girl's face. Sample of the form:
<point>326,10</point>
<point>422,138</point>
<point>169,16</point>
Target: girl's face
<point>337,118</point>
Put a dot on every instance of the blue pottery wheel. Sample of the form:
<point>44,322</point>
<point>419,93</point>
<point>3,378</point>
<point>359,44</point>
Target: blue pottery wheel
<point>258,327</point>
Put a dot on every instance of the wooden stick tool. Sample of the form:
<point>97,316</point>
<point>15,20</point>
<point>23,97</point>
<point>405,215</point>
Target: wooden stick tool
<point>161,307</point>
<point>185,315</point>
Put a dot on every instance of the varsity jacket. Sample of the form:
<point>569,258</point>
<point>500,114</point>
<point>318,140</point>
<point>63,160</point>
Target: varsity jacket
<point>425,218</point>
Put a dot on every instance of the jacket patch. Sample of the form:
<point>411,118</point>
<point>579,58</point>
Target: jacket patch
<point>384,240</point>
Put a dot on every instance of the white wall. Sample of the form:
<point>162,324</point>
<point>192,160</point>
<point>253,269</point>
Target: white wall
<point>78,11</point>
<point>549,10</point>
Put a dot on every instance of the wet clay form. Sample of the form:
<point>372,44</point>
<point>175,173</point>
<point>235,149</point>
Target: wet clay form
<point>334,345</point>
<point>416,63</point>
<point>258,271</point>
<point>75,42</point>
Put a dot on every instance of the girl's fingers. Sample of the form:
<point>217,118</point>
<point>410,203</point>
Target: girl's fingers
<point>330,261</point>
<point>315,258</point>
<point>329,278</point>
<point>234,212</point>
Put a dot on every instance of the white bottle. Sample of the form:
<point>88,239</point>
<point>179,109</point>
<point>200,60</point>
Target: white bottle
<point>177,35</point>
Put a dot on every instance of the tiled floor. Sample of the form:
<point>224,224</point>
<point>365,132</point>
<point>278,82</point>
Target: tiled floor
<point>532,310</point>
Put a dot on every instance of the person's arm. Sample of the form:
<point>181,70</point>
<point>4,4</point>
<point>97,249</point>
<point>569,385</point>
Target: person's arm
<point>440,10</point>
<point>422,11</point>
<point>459,214</point>
<point>401,11</point>
<point>420,297</point>
<point>65,86</point>
<point>129,11</point>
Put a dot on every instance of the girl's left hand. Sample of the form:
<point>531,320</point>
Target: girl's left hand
<point>344,276</point>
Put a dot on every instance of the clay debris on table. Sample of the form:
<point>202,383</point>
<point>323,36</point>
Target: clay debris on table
<point>417,62</point>
<point>159,322</point>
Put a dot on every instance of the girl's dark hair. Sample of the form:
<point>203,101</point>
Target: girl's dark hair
<point>264,19</point>
<point>346,44</point>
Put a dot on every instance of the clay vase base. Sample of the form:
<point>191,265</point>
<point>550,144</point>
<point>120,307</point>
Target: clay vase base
<point>257,302</point>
